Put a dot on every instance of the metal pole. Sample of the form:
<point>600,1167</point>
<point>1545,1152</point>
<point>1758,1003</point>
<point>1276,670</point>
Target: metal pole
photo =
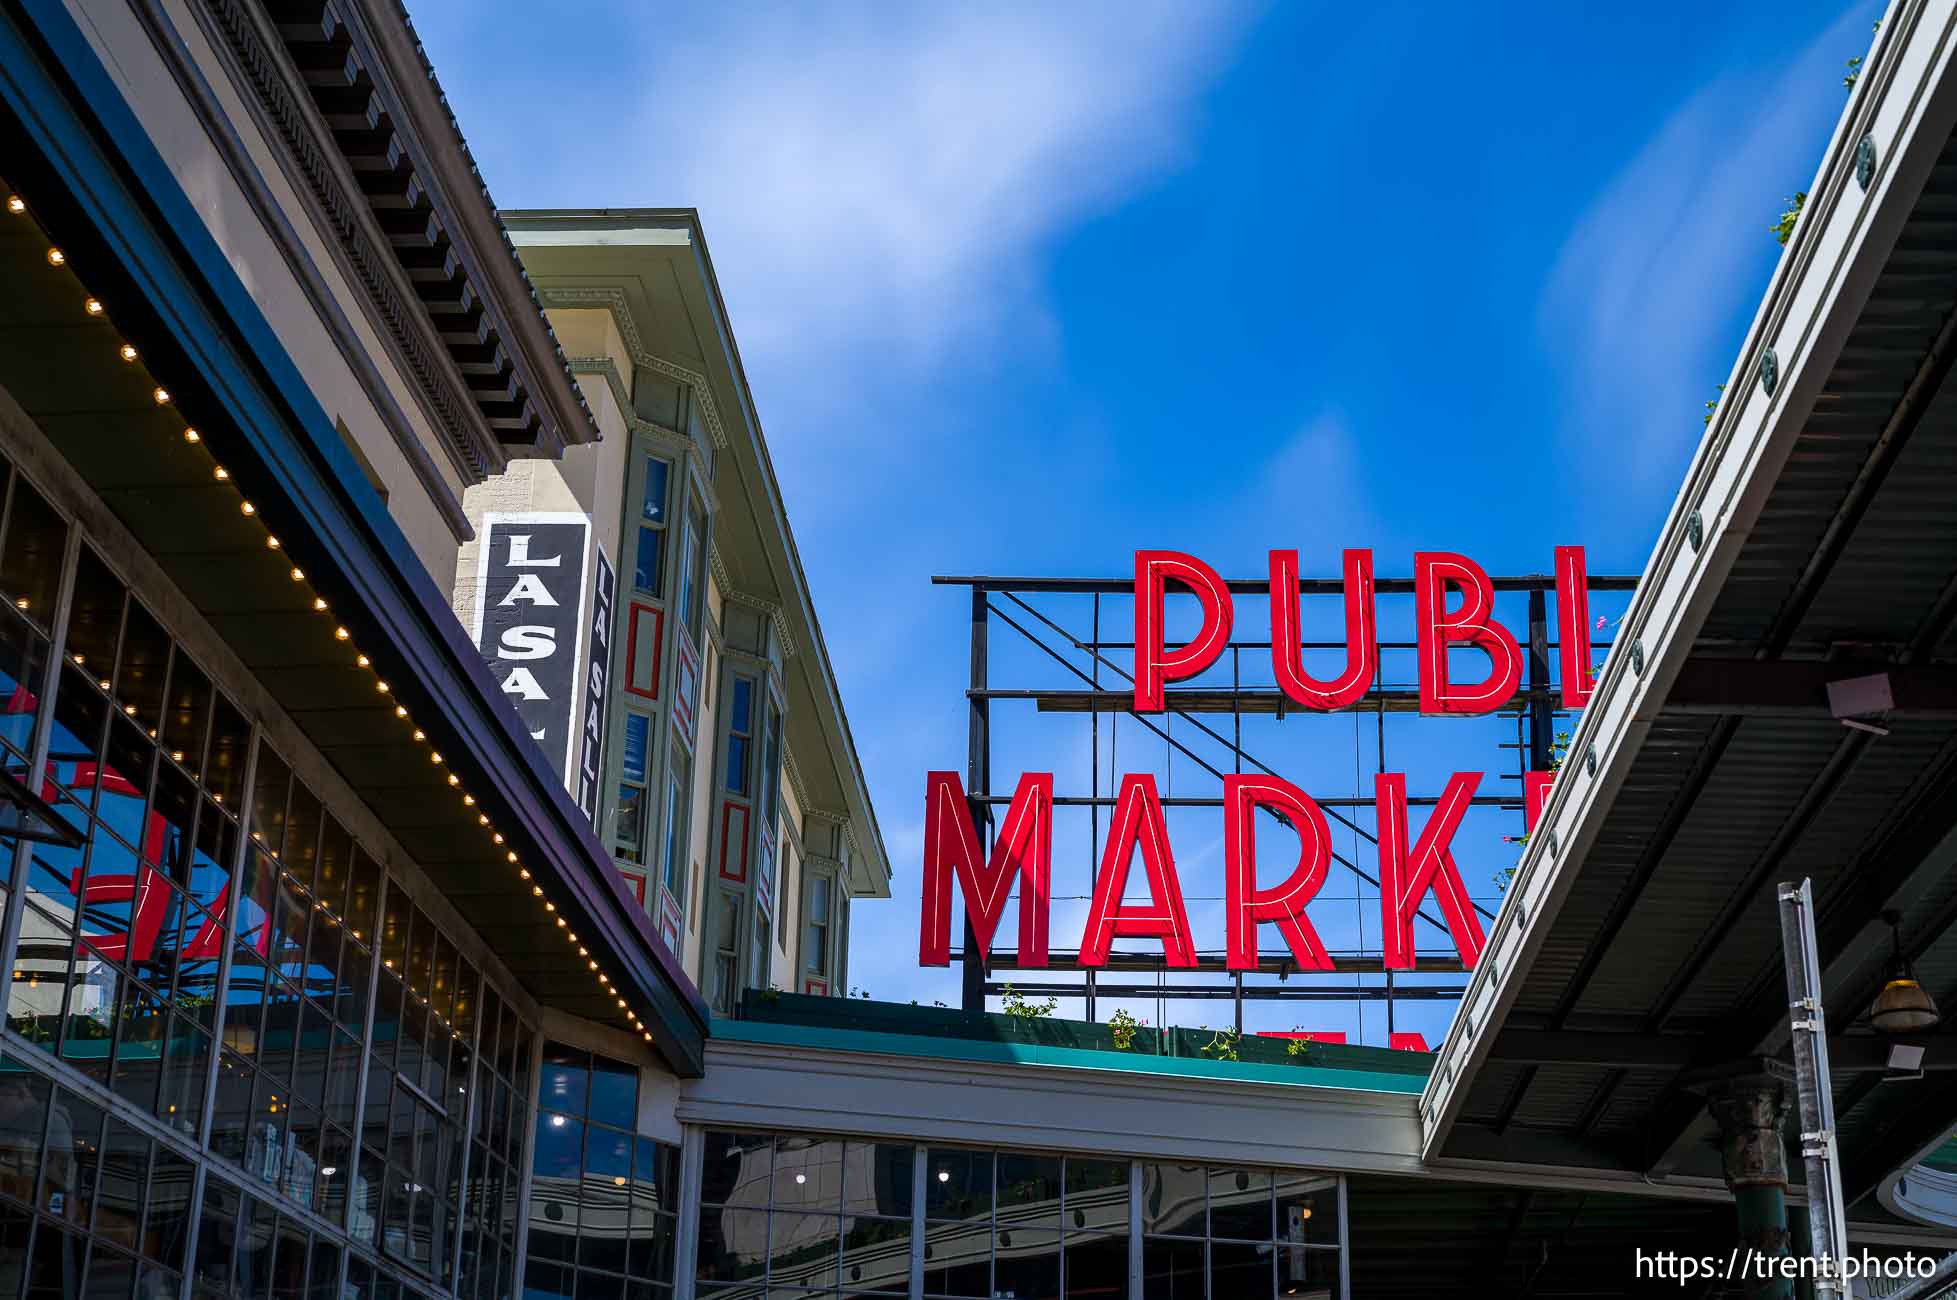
<point>978,785</point>
<point>1542,711</point>
<point>1929,1284</point>
<point>1827,1219</point>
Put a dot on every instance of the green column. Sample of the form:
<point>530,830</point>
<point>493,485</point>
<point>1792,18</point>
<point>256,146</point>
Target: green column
<point>1750,1112</point>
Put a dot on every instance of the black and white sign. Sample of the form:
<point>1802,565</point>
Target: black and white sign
<point>598,666</point>
<point>529,611</point>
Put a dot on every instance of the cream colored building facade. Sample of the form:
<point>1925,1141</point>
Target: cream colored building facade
<point>727,788</point>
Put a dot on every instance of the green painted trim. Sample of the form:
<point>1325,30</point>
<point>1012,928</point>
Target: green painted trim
<point>775,1034</point>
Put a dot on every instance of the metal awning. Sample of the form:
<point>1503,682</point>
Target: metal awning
<point>1812,546</point>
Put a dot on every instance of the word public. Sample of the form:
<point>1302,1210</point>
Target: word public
<point>1410,868</point>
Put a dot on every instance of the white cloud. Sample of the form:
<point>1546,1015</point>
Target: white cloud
<point>1643,294</point>
<point>888,174</point>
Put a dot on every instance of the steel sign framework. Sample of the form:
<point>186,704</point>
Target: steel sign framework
<point>1049,651</point>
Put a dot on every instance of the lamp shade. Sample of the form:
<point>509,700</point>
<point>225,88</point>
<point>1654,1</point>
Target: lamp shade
<point>1903,1008</point>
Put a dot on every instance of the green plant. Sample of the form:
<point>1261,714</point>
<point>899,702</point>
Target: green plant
<point>1712,407</point>
<point>1123,1026</point>
<point>1015,1004</point>
<point>1300,1047</point>
<point>1224,1045</point>
<point>1784,228</point>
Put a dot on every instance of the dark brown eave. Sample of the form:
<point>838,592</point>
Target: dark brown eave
<point>343,87</point>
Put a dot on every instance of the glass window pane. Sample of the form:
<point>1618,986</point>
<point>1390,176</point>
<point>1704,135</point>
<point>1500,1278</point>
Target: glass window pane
<point>186,714</point>
<point>878,1180</point>
<point>614,1093</point>
<point>1307,1208</point>
<point>1172,1199</point>
<point>30,560</point>
<point>646,575</point>
<point>224,768</point>
<point>638,730</point>
<point>654,511</point>
<point>958,1259</point>
<point>23,662</point>
<point>217,1236</point>
<point>876,1255</point>
<point>733,1244</point>
<point>808,1173</point>
<point>957,1184</point>
<point>629,827</point>
<point>1172,1269</point>
<point>1029,1190</point>
<point>1241,1268</point>
<point>1097,1265</point>
<point>141,668</point>
<point>736,1169</point>
<point>1240,1203</point>
<point>166,1218</point>
<point>95,616</point>
<point>1026,1261</point>
<point>802,1249</point>
<point>566,1081</point>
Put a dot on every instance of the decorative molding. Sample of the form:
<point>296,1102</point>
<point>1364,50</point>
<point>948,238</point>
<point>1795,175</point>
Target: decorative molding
<point>606,366</point>
<point>769,609</point>
<point>169,44</point>
<point>318,171</point>
<point>697,384</point>
<point>794,772</point>
<point>677,444</point>
<point>613,300</point>
<point>718,568</point>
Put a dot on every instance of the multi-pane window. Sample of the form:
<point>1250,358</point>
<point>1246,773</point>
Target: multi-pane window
<point>726,953</point>
<point>805,1216</point>
<point>489,1196</point>
<point>649,539</point>
<point>740,732</point>
<point>675,822</point>
<point>770,810</point>
<point>219,921</point>
<point>815,927</point>
<point>120,939</point>
<point>604,1199</point>
<point>247,1247</point>
<point>1238,1231</point>
<point>1024,1223</point>
<point>693,554</point>
<point>629,821</point>
<point>89,1206</point>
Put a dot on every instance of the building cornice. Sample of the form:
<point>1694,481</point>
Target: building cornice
<point>613,300</point>
<point>454,310</point>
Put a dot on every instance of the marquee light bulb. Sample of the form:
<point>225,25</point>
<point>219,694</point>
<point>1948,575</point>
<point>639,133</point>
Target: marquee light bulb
<point>319,604</point>
<point>271,542</point>
<point>247,508</point>
<point>92,307</point>
<point>341,634</point>
<point>191,435</point>
<point>128,352</point>
<point>16,204</point>
<point>220,473</point>
<point>361,660</point>
<point>161,396</point>
<point>56,257</point>
<point>298,574</point>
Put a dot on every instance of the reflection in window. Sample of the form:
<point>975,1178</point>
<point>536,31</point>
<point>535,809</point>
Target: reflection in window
<point>603,1199</point>
<point>831,1215</point>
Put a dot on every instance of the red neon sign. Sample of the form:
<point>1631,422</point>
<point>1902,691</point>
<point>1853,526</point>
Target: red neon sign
<point>1440,577</point>
<point>1454,603</point>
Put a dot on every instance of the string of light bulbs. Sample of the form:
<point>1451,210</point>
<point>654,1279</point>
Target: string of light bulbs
<point>195,442</point>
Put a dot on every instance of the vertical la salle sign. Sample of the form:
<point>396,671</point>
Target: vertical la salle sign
<point>530,585</point>
<point>1454,603</point>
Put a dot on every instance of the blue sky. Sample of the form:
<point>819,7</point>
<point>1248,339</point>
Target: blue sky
<point>1021,289</point>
